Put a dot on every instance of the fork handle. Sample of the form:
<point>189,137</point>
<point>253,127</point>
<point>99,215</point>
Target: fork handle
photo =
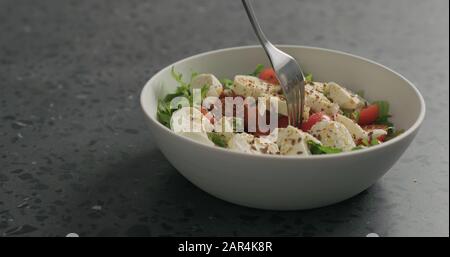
<point>295,109</point>
<point>267,46</point>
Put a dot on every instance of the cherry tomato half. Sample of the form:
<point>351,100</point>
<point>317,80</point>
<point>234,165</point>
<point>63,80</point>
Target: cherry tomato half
<point>368,115</point>
<point>269,75</point>
<point>313,119</point>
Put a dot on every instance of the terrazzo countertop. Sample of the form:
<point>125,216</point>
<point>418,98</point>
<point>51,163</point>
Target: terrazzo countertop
<point>77,157</point>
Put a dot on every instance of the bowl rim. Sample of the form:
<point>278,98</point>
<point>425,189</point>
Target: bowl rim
<point>221,150</point>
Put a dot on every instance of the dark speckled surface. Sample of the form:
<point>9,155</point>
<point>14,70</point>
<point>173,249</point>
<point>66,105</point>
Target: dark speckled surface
<point>76,156</point>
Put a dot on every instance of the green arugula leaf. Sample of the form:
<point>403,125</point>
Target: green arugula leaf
<point>164,110</point>
<point>257,70</point>
<point>238,125</point>
<point>365,142</point>
<point>217,139</point>
<point>374,141</point>
<point>204,91</point>
<point>164,113</point>
<point>193,75</point>
<point>164,118</point>
<point>357,148</point>
<point>177,76</point>
<point>309,78</point>
<point>347,113</point>
<point>227,83</point>
<point>383,113</point>
<point>183,88</point>
<point>383,108</point>
<point>316,148</point>
<point>354,115</point>
<point>392,133</point>
<point>170,97</point>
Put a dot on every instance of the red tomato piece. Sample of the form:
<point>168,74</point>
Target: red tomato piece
<point>269,75</point>
<point>382,138</point>
<point>368,115</point>
<point>283,121</point>
<point>313,119</point>
<point>207,114</point>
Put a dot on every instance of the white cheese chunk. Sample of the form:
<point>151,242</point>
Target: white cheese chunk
<point>215,87</point>
<point>247,143</point>
<point>191,123</point>
<point>266,147</point>
<point>318,86</point>
<point>245,85</point>
<point>318,102</point>
<point>291,141</point>
<point>376,133</point>
<point>333,134</point>
<point>343,97</point>
<point>249,86</point>
<point>357,131</point>
<point>281,106</point>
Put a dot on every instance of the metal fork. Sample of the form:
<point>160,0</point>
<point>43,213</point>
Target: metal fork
<point>288,71</point>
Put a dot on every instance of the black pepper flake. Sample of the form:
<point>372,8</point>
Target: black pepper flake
<point>264,150</point>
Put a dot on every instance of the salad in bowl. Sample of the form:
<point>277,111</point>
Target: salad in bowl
<point>249,114</point>
<point>227,132</point>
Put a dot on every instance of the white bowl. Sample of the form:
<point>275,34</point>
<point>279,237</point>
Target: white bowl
<point>288,182</point>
